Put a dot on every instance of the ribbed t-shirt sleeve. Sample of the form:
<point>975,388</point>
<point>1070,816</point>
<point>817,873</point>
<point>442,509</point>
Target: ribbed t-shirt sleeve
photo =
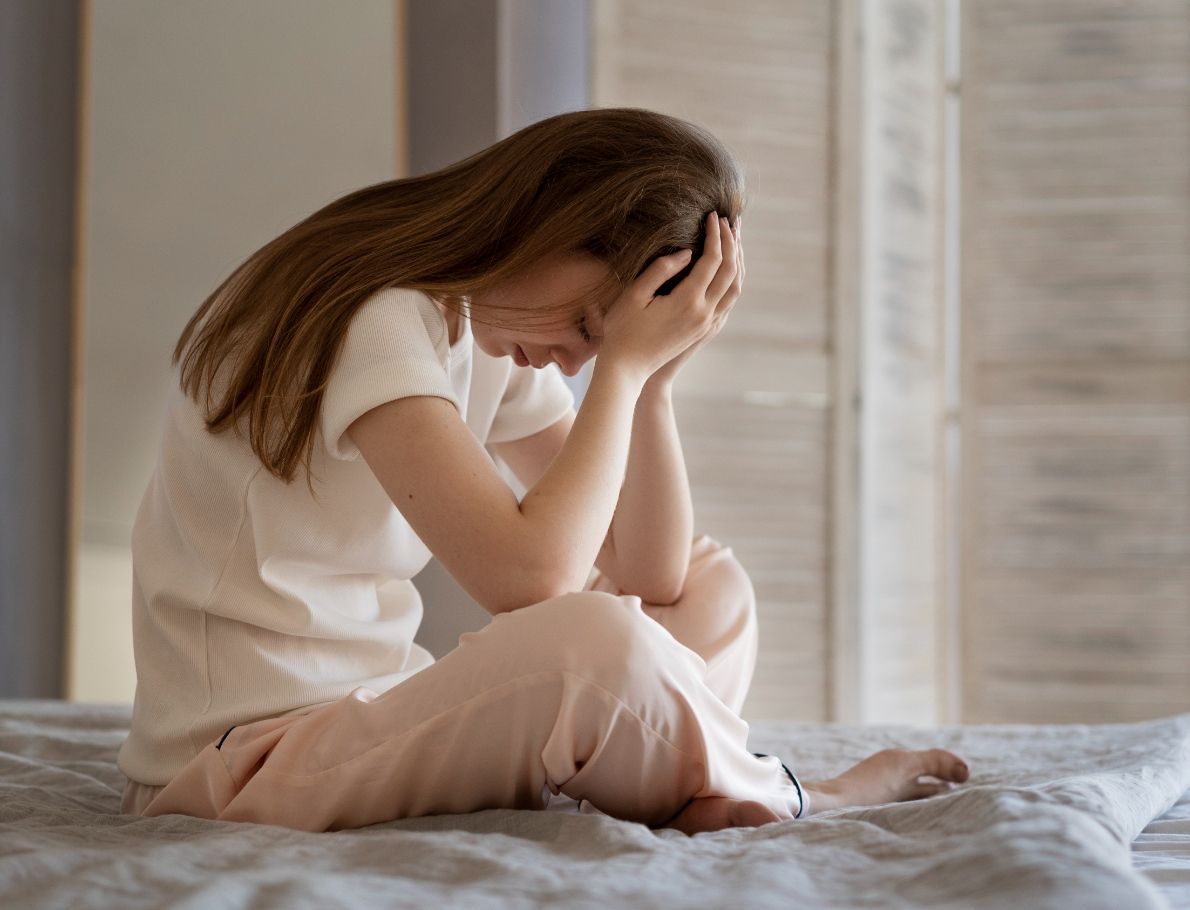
<point>396,346</point>
<point>532,400</point>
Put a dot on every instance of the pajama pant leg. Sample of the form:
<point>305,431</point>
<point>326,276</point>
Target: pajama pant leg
<point>592,694</point>
<point>715,617</point>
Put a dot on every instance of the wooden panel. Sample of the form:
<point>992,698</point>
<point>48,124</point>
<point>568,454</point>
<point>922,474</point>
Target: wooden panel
<point>1076,360</point>
<point>1072,492</point>
<point>753,406</point>
<point>1090,382</point>
<point>1050,643</point>
<point>756,478</point>
<point>901,604</point>
<point>756,74</point>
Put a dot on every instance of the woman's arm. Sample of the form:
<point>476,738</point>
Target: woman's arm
<point>650,537</point>
<point>507,554</point>
<point>504,554</point>
<point>652,528</point>
<point>647,548</point>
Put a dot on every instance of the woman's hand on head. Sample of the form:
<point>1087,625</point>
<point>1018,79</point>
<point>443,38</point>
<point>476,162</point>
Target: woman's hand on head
<point>665,375</point>
<point>646,332</point>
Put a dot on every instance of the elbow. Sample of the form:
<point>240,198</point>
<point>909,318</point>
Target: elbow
<point>659,592</point>
<point>534,568</point>
<point>557,574</point>
<point>525,588</point>
<point>670,597</point>
<point>662,596</point>
<point>662,588</point>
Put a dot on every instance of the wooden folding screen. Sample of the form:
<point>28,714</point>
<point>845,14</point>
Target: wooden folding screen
<point>1076,360</point>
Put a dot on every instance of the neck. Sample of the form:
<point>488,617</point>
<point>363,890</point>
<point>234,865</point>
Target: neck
<point>454,327</point>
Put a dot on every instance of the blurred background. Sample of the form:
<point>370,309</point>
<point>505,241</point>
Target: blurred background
<point>947,428</point>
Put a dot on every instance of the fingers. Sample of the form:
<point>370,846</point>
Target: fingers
<point>659,272</point>
<point>739,250</point>
<point>719,270</point>
<point>721,284</point>
<point>737,285</point>
<point>712,256</point>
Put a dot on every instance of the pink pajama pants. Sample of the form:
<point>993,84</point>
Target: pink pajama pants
<point>633,707</point>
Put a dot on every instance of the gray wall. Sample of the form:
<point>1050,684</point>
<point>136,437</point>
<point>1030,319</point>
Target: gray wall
<point>38,93</point>
<point>481,71</point>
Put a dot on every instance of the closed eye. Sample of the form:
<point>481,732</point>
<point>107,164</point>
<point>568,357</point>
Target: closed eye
<point>582,329</point>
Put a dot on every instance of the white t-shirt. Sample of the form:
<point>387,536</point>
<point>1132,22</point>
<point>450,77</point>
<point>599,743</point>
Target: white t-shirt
<point>251,598</point>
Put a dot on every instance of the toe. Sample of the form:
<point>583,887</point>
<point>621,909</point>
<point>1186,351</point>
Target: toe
<point>944,765</point>
<point>923,790</point>
<point>959,772</point>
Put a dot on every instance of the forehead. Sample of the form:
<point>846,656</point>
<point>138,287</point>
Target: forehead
<point>566,277</point>
<point>574,273</point>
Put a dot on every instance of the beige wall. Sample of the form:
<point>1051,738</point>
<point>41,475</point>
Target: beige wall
<point>210,127</point>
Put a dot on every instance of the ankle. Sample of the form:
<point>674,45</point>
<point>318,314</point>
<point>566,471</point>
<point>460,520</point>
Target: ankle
<point>822,796</point>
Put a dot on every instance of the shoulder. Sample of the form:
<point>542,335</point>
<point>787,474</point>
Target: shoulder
<point>396,347</point>
<point>394,310</point>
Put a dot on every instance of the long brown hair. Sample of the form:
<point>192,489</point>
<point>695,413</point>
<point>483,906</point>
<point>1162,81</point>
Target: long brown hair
<point>624,185</point>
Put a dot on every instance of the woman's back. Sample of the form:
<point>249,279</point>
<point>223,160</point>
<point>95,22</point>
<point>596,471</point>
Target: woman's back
<point>251,597</point>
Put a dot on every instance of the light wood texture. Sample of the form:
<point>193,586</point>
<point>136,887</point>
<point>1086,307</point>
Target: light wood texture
<point>901,596</point>
<point>844,621</point>
<point>754,407</point>
<point>1076,360</point>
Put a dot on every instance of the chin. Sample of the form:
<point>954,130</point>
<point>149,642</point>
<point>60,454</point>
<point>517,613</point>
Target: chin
<point>478,339</point>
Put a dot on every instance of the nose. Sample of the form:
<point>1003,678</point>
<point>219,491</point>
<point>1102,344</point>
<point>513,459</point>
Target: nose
<point>568,363</point>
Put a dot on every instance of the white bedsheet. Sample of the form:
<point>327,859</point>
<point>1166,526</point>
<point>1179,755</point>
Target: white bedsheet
<point>1049,819</point>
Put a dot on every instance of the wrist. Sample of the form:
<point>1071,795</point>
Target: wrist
<point>822,795</point>
<point>658,386</point>
<point>624,371</point>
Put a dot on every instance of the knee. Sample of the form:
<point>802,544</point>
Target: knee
<point>717,578</point>
<point>604,637</point>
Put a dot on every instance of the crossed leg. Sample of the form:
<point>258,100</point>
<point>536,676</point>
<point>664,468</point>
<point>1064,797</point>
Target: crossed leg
<point>592,694</point>
<point>715,617</point>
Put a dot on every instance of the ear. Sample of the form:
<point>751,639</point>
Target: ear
<point>595,316</point>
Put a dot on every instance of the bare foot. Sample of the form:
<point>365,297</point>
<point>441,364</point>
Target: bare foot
<point>890,775</point>
<point>714,813</point>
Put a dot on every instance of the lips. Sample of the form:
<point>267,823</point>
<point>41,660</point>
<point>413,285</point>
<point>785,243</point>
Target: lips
<point>519,357</point>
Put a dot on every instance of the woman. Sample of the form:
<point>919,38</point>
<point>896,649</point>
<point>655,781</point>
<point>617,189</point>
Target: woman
<point>385,345</point>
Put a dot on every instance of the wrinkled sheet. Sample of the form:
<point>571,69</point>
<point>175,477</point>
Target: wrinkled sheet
<point>1048,819</point>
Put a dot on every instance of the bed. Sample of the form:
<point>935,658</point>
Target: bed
<point>1062,816</point>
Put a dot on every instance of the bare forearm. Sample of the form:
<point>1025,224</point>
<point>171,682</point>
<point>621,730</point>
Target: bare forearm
<point>653,523</point>
<point>570,508</point>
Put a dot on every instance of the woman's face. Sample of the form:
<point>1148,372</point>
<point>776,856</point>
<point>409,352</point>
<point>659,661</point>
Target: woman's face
<point>548,283</point>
